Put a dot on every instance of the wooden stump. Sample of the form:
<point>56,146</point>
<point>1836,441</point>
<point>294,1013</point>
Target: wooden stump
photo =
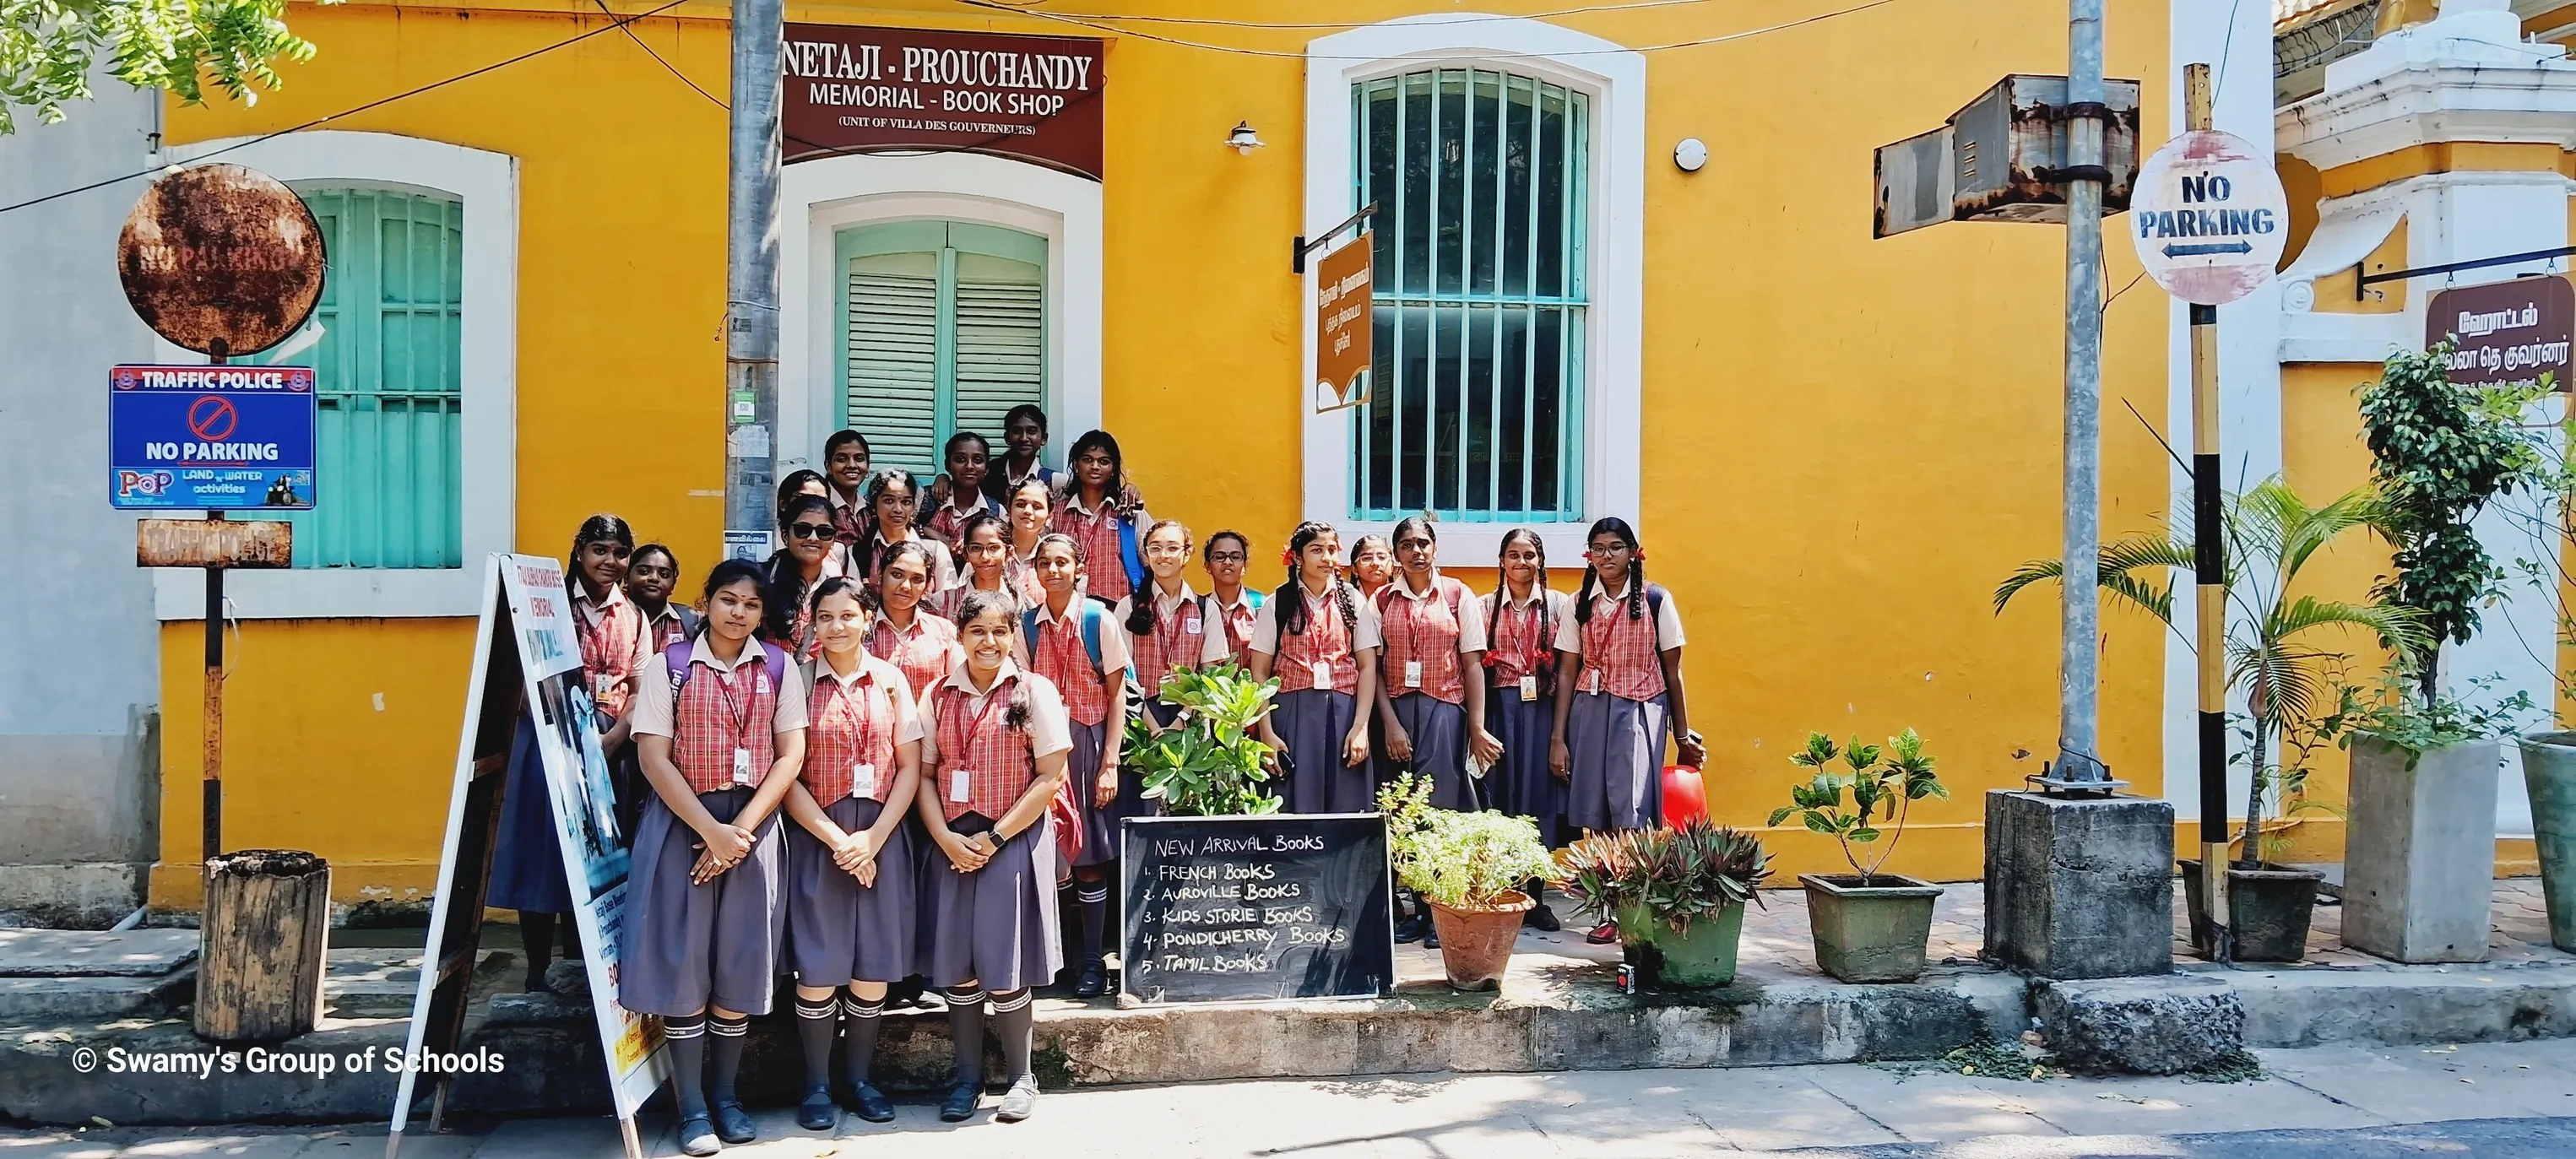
<point>260,942</point>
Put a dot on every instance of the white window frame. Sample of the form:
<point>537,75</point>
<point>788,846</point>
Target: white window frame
<point>487,184</point>
<point>1614,78</point>
<point>832,194</point>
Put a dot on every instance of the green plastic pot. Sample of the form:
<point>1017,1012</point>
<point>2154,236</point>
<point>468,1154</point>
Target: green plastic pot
<point>1700,959</point>
<point>2549,773</point>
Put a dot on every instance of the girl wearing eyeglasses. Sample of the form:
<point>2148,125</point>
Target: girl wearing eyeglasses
<point>1229,601</point>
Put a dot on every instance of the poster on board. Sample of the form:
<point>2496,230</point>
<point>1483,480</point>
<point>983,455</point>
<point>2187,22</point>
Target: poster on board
<point>527,662</point>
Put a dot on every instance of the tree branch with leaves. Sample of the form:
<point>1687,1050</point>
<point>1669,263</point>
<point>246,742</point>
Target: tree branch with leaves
<point>48,48</point>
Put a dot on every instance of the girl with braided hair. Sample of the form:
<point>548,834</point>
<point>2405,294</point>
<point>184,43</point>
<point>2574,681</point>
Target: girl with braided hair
<point>1076,644</point>
<point>1618,692</point>
<point>893,499</point>
<point>1521,616</point>
<point>1322,641</point>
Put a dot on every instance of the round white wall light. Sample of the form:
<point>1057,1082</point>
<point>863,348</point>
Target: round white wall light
<point>1690,154</point>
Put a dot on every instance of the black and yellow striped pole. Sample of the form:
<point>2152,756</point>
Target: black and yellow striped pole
<point>2209,572</point>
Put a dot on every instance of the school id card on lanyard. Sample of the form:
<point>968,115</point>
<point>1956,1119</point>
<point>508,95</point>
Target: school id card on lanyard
<point>961,777</point>
<point>740,713</point>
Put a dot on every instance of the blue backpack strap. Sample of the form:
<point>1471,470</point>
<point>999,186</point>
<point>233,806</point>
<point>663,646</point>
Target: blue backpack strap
<point>1029,633</point>
<point>676,658</point>
<point>1655,615</point>
<point>1127,557</point>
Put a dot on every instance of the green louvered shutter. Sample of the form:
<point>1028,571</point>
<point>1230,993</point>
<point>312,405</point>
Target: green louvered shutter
<point>386,344</point>
<point>945,330</point>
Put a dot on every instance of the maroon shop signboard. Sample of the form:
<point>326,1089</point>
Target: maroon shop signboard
<point>858,90</point>
<point>2510,332</point>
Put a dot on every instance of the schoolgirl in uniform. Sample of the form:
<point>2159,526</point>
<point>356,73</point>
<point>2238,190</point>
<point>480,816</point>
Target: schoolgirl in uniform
<point>852,906</point>
<point>1321,639</point>
<point>985,544</point>
<point>1024,438</point>
<point>1171,629</point>
<point>996,745</point>
<point>1372,565</point>
<point>1521,617</point>
<point>959,493</point>
<point>720,720</point>
<point>1060,634</point>
<point>845,459</point>
<point>1030,506</point>
<point>1230,603</point>
<point>811,556</point>
<point>905,633</point>
<point>651,574</point>
<point>1432,714</point>
<point>1106,516</point>
<point>1619,692</point>
<point>893,498</point>
<point>527,865</point>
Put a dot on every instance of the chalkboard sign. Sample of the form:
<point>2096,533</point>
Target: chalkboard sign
<point>1233,909</point>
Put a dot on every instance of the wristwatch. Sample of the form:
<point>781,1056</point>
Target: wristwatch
<point>998,841</point>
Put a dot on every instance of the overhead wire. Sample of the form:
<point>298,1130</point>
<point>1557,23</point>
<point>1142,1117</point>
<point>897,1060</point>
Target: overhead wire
<point>1291,54</point>
<point>1462,18</point>
<point>350,112</point>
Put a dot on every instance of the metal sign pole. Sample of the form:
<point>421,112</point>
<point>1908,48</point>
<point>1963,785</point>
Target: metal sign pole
<point>751,280</point>
<point>2209,572</point>
<point>214,707</point>
<point>2079,766</point>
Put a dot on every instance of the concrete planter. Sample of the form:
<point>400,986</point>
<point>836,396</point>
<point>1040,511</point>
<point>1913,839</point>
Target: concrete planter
<point>1701,959</point>
<point>2268,911</point>
<point>2549,773</point>
<point>1870,933</point>
<point>2419,851</point>
<point>1476,942</point>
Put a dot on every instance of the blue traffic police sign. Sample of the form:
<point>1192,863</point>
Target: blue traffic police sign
<point>212,437</point>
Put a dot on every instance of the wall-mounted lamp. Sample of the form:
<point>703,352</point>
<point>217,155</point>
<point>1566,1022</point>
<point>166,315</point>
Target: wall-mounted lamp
<point>1690,154</point>
<point>1243,140</point>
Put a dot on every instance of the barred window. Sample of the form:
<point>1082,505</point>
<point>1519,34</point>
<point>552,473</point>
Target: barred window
<point>1480,179</point>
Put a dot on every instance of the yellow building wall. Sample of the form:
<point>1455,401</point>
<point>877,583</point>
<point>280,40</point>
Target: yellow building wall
<point>1848,442</point>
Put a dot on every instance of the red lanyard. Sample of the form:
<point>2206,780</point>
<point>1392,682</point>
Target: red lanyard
<point>861,713</point>
<point>1062,644</point>
<point>1315,622</point>
<point>594,638</point>
<point>740,714</point>
<point>974,725</point>
<point>1413,621</point>
<point>1168,637</point>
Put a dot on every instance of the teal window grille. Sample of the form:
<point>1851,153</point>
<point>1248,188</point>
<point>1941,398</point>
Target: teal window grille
<point>385,342</point>
<point>944,329</point>
<point>1481,179</point>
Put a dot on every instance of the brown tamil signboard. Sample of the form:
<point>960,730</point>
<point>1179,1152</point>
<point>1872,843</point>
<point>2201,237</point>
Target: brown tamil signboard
<point>1343,326</point>
<point>2509,333</point>
<point>235,543</point>
<point>853,89</point>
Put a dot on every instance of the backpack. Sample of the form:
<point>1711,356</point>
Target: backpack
<point>1065,810</point>
<point>1127,558</point>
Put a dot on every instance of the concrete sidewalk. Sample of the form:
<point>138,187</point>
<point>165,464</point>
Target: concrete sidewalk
<point>1595,1115</point>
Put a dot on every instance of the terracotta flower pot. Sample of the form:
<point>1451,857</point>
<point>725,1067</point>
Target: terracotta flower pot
<point>1476,942</point>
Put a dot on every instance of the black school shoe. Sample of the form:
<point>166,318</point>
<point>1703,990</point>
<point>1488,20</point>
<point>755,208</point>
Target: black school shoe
<point>870,1104</point>
<point>961,1104</point>
<point>818,1112</point>
<point>1411,929</point>
<point>1542,919</point>
<point>1094,981</point>
<point>733,1124</point>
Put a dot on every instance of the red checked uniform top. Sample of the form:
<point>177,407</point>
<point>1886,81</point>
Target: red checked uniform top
<point>1620,654</point>
<point>1523,646</point>
<point>1059,654</point>
<point>921,652</point>
<point>948,524</point>
<point>664,629</point>
<point>722,709</point>
<point>856,722</point>
<point>1434,628</point>
<point>1237,618</point>
<point>1325,641</point>
<point>848,517</point>
<point>1181,635</point>
<point>978,763</point>
<point>612,646</point>
<point>1104,563</point>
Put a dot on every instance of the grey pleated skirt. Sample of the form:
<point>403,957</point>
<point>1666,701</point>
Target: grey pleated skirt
<point>1312,723</point>
<point>1438,730</point>
<point>1524,786</point>
<point>686,947</point>
<point>838,930</point>
<point>1615,748</point>
<point>1082,772</point>
<point>997,925</point>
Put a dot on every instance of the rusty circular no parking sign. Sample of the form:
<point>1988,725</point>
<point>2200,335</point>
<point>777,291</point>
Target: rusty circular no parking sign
<point>221,259</point>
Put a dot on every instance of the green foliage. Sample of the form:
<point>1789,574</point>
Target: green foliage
<point>47,48</point>
<point>1884,785</point>
<point>1460,860</point>
<point>2439,452</point>
<point>1211,762</point>
<point>1676,875</point>
<point>2397,715</point>
<point>2275,654</point>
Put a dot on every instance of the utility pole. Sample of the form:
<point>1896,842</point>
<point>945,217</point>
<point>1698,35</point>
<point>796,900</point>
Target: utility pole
<point>751,279</point>
<point>2209,572</point>
<point>2079,767</point>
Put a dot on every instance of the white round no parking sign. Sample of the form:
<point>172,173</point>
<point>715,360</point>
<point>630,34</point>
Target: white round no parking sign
<point>2209,217</point>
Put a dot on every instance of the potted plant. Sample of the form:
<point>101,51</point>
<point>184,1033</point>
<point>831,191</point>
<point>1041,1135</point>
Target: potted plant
<point>1869,926</point>
<point>1677,894</point>
<point>2277,659</point>
<point>1469,867</point>
<point>1210,762</point>
<point>2419,835</point>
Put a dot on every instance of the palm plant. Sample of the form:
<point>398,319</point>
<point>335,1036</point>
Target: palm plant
<point>2275,653</point>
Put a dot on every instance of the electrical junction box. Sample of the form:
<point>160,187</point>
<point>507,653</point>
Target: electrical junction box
<point>2001,158</point>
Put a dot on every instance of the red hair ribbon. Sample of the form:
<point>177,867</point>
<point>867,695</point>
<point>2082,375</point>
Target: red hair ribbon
<point>1287,558</point>
<point>1639,555</point>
